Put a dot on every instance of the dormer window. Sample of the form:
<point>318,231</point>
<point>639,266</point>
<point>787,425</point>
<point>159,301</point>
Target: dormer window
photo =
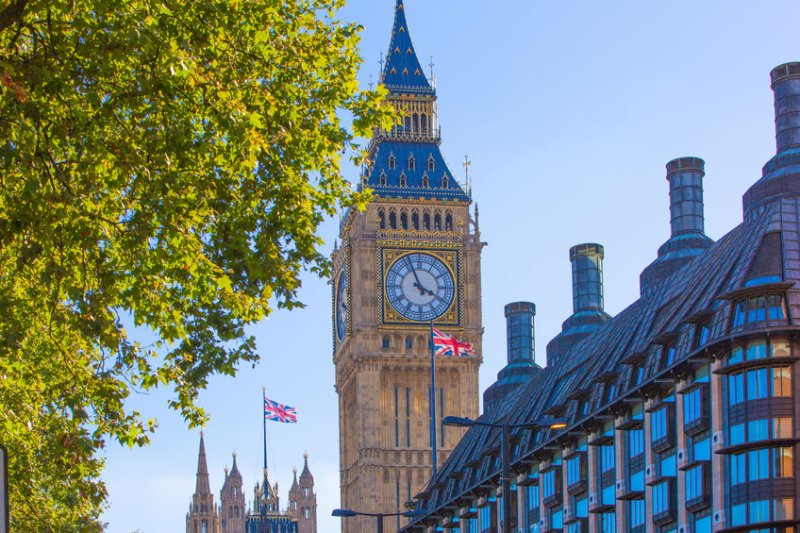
<point>383,179</point>
<point>403,180</point>
<point>412,163</point>
<point>431,164</point>
<point>392,162</point>
<point>405,72</point>
<point>445,182</point>
<point>426,182</point>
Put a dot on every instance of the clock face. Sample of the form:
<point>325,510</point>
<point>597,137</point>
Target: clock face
<point>341,306</point>
<point>420,287</point>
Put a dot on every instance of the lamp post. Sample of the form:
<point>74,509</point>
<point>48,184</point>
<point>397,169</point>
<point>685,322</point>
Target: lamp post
<point>346,513</point>
<point>505,475</point>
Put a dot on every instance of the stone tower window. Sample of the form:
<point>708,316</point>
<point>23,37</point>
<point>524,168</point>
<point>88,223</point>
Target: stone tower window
<point>437,222</point>
<point>386,342</point>
<point>404,220</point>
<point>409,343</point>
<point>392,219</point>
<point>424,121</point>
<point>382,218</point>
<point>426,221</point>
<point>415,220</point>
<point>448,222</point>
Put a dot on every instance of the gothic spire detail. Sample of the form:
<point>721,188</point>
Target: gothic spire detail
<point>202,486</point>
<point>403,71</point>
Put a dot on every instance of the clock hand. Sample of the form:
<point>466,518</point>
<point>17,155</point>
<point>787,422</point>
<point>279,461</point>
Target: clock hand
<point>418,284</point>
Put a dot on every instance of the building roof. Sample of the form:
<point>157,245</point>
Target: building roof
<point>407,162</point>
<point>403,72</point>
<point>668,316</point>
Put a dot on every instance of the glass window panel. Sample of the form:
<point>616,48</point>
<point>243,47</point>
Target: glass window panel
<point>784,509</point>
<point>758,430</point>
<point>737,356</point>
<point>758,464</point>
<point>781,382</point>
<point>737,434</point>
<point>784,463</point>
<point>739,311</point>
<point>756,350</point>
<point>782,428</point>
<point>759,511</point>
<point>777,307</point>
<point>757,384</point>
<point>780,348</point>
<point>739,514</point>
<point>736,388</point>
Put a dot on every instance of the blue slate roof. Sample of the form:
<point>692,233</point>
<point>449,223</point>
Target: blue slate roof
<point>403,163</point>
<point>403,72</point>
<point>428,177</point>
<point>697,289</point>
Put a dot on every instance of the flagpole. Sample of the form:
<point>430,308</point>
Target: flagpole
<point>264,422</point>
<point>433,406</point>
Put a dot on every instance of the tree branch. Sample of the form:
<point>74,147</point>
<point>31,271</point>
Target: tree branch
<point>12,13</point>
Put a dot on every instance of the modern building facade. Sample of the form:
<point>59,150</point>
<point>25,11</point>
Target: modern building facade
<point>412,257</point>
<point>681,412</point>
<point>265,514</point>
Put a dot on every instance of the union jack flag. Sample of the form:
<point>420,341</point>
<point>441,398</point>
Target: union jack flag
<point>279,413</point>
<point>445,344</point>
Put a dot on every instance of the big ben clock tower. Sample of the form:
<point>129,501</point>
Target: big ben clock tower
<point>412,257</point>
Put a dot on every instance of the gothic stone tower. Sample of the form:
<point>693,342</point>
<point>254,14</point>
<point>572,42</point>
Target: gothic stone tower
<point>411,257</point>
<point>202,516</point>
<point>232,504</point>
<point>303,500</point>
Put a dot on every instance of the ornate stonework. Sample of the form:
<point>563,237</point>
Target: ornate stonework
<point>381,348</point>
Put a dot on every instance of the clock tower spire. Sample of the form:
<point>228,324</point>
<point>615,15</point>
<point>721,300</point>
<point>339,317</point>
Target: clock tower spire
<point>410,258</point>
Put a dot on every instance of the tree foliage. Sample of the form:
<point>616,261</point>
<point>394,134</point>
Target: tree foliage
<point>167,161</point>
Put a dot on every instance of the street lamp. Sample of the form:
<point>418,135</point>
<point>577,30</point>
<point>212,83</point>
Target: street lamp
<point>347,513</point>
<point>505,476</point>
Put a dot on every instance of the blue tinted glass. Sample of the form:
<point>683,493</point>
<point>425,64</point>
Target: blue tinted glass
<point>756,350</point>
<point>736,388</point>
<point>737,434</point>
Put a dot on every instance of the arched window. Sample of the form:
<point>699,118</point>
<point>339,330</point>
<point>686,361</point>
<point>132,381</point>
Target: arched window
<point>382,180</point>
<point>407,124</point>
<point>426,182</point>
<point>416,123</point>
<point>448,222</point>
<point>412,163</point>
<point>404,220</point>
<point>445,182</point>
<point>409,343</point>
<point>426,221</point>
<point>382,218</point>
<point>431,163</point>
<point>386,342</point>
<point>403,180</point>
<point>437,222</point>
<point>392,162</point>
<point>415,220</point>
<point>424,121</point>
<point>392,219</point>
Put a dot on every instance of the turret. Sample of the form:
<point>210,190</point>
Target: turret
<point>688,239</point>
<point>781,175</point>
<point>202,515</point>
<point>303,499</point>
<point>232,501</point>
<point>520,354</point>
<point>587,300</point>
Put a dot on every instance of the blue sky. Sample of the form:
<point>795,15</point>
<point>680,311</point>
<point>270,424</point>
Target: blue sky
<point>569,112</point>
